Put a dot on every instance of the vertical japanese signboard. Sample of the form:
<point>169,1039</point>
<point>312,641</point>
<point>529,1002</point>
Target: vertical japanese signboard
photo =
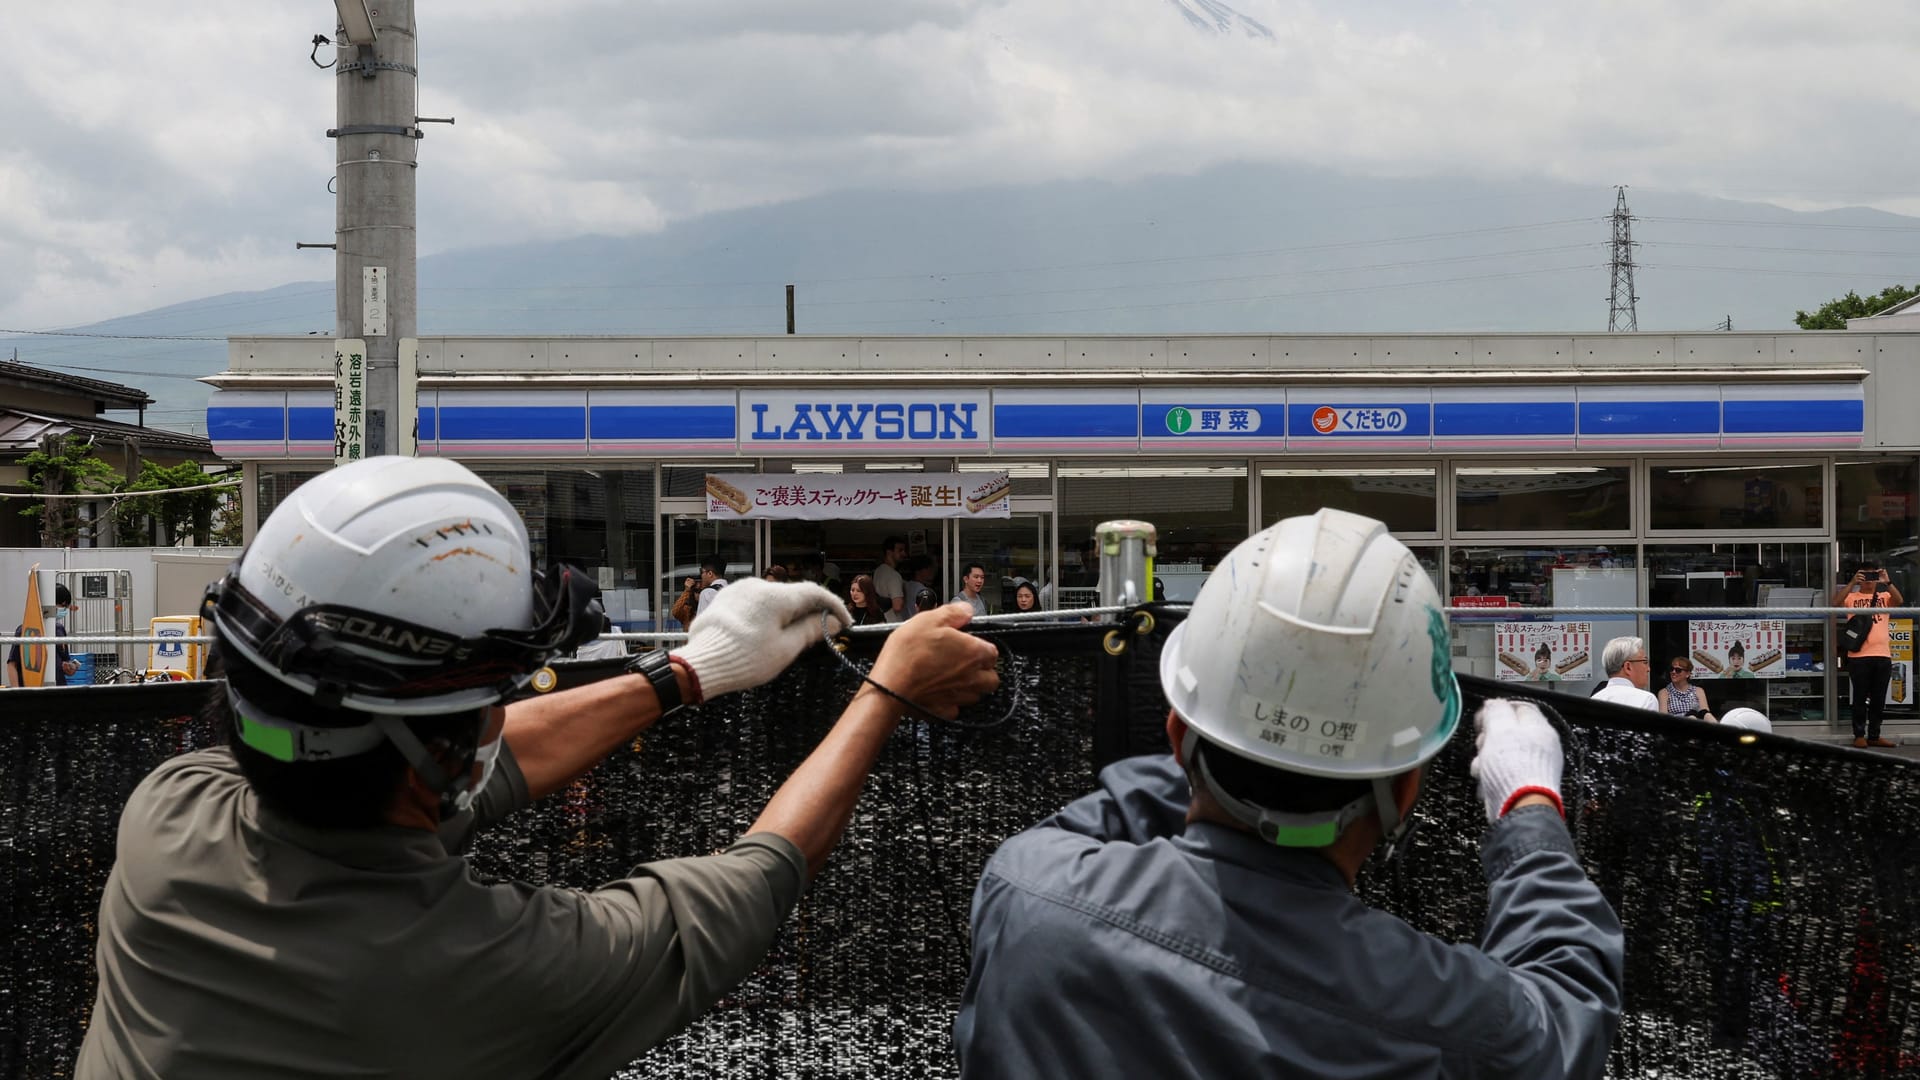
<point>349,401</point>
<point>373,301</point>
<point>1900,645</point>
<point>409,397</point>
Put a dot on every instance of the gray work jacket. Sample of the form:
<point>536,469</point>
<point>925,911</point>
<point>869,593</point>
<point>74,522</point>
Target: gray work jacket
<point>1112,939</point>
<point>237,943</point>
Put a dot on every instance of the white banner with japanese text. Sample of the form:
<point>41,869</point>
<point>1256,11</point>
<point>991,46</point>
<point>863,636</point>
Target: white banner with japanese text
<point>1543,651</point>
<point>1737,648</point>
<point>349,400</point>
<point>863,496</point>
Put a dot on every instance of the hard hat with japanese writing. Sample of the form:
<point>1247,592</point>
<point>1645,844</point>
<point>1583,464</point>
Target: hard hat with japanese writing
<point>1750,719</point>
<point>1317,646</point>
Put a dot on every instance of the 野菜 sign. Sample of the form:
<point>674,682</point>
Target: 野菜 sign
<point>861,496</point>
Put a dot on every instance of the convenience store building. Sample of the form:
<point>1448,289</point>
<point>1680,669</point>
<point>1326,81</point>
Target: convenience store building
<point>1654,470</point>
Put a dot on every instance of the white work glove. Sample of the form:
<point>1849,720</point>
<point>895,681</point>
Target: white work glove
<point>1519,753</point>
<point>752,630</point>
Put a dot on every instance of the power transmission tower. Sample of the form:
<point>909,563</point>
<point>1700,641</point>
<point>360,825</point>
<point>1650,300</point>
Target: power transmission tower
<point>1620,311</point>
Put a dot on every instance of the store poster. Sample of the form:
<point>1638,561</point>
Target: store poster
<point>1737,648</point>
<point>1900,638</point>
<point>858,496</point>
<point>1543,651</point>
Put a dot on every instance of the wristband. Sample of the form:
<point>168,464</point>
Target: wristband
<point>1522,793</point>
<point>658,669</point>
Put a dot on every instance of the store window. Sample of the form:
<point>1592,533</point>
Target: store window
<point>1199,511</point>
<point>1739,657</point>
<point>1406,499</point>
<point>1874,519</point>
<point>1510,642</point>
<point>1718,497</point>
<point>600,519</point>
<point>276,484</point>
<point>1543,498</point>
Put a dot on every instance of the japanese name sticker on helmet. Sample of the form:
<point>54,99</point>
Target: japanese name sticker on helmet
<point>1313,647</point>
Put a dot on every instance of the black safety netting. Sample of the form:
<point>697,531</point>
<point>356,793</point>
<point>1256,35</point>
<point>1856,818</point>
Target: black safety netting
<point>1770,887</point>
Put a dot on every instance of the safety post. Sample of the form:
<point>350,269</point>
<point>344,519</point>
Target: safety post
<point>1127,549</point>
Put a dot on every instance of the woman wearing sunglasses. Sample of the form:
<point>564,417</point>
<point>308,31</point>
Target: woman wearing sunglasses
<point>1680,697</point>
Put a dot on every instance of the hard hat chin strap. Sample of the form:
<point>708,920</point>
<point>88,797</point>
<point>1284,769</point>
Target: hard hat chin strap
<point>455,790</point>
<point>1274,826</point>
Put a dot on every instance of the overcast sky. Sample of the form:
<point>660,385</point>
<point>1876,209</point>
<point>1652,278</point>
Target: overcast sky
<point>154,153</point>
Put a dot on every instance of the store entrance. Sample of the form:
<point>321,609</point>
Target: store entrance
<point>1012,550</point>
<point>833,553</point>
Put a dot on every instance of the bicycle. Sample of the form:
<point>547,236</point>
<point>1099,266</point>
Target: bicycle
<point>120,676</point>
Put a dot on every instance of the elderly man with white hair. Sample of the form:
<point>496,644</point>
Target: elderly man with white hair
<point>1625,661</point>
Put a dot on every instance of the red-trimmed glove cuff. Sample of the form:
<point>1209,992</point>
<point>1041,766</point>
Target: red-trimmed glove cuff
<point>699,696</point>
<point>1534,790</point>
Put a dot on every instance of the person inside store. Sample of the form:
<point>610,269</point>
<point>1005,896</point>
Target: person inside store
<point>1026,598</point>
<point>916,576</point>
<point>864,603</point>
<point>1680,697</point>
<point>64,665</point>
<point>1625,662</point>
<point>1216,881</point>
<point>295,902</point>
<point>888,581</point>
<point>1870,665</point>
<point>701,591</point>
<point>775,573</point>
<point>1543,665</point>
<point>971,582</point>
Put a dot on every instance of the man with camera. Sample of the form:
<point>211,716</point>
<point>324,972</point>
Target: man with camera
<point>1870,663</point>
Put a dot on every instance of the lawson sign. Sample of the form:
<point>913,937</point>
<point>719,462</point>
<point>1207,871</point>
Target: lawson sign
<point>879,418</point>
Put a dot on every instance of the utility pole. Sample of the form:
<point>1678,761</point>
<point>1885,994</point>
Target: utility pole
<point>789,309</point>
<point>375,154</point>
<point>1620,311</point>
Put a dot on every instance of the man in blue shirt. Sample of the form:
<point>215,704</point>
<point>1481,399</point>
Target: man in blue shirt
<point>1195,916</point>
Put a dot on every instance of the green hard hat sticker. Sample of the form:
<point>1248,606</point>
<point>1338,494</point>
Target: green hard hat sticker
<point>1446,689</point>
<point>1179,421</point>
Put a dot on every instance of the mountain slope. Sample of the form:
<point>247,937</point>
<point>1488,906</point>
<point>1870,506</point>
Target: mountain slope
<point>1240,249</point>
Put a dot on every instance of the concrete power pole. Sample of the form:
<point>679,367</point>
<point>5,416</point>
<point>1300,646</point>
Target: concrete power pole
<point>375,153</point>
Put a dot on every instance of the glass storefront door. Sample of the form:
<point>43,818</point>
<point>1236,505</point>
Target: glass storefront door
<point>1012,549</point>
<point>692,538</point>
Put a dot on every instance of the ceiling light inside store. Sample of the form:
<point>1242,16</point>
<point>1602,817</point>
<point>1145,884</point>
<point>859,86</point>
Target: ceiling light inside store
<point>1152,472</point>
<point>1530,470</point>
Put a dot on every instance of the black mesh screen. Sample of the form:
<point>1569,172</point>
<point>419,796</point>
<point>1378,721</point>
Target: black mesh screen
<point>1769,888</point>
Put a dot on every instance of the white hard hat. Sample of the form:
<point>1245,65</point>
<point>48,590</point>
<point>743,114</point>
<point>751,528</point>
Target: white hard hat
<point>1751,719</point>
<point>398,586</point>
<point>1317,646</point>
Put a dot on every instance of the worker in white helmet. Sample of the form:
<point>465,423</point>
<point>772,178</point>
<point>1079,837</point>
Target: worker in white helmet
<point>1195,916</point>
<point>294,904</point>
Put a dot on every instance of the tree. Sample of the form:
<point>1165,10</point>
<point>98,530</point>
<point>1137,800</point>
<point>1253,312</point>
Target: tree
<point>64,466</point>
<point>178,513</point>
<point>1833,314</point>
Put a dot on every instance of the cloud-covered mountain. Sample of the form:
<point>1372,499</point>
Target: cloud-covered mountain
<point>1237,249</point>
<point>1213,16</point>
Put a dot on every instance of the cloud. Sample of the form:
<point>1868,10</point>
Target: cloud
<point>157,156</point>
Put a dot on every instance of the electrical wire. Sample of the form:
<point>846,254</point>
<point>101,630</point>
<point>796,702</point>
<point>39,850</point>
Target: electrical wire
<point>111,495</point>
